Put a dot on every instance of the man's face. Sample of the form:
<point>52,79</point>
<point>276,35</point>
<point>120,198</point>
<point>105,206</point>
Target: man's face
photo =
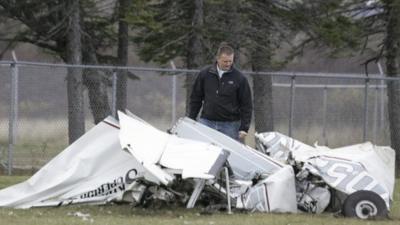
<point>225,61</point>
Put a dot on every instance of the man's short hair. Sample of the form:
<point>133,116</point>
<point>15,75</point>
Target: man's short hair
<point>225,48</point>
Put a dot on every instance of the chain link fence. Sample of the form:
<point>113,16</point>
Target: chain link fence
<point>331,109</point>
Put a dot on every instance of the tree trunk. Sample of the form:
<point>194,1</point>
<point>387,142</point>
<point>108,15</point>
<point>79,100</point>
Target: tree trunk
<point>261,54</point>
<point>76,118</point>
<point>235,31</point>
<point>123,44</point>
<point>263,103</point>
<point>392,68</point>
<point>96,83</point>
<point>262,93</point>
<point>195,57</point>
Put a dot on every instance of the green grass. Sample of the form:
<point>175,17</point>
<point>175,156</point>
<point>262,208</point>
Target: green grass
<point>120,215</point>
<point>125,214</point>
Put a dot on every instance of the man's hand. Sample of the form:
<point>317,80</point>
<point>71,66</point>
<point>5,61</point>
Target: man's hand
<point>242,135</point>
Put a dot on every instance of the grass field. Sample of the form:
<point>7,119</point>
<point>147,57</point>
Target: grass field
<point>125,214</point>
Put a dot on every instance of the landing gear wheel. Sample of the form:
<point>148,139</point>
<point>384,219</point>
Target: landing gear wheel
<point>364,205</point>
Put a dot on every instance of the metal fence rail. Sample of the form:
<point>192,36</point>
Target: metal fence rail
<point>308,106</point>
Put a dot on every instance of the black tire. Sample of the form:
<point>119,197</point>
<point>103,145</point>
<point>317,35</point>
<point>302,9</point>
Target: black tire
<point>364,205</point>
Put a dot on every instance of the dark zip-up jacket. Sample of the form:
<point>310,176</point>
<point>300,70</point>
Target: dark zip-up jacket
<point>223,99</point>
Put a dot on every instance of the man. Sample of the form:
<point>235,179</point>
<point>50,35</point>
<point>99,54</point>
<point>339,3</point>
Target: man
<point>224,93</point>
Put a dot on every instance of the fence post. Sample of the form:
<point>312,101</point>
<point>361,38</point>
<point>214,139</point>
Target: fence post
<point>375,124</point>
<point>324,111</point>
<point>173,114</point>
<point>382,94</point>
<point>365,109</point>
<point>292,93</point>
<point>12,126</point>
<point>114,94</point>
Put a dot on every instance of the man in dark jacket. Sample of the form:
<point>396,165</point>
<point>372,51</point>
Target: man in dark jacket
<point>224,93</point>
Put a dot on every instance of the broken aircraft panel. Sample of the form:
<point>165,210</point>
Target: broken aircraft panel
<point>360,176</point>
<point>273,187</point>
<point>132,161</point>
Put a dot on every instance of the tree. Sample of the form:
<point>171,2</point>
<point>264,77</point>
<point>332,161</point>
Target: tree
<point>369,28</point>
<point>195,56</point>
<point>266,34</point>
<point>123,44</point>
<point>392,45</point>
<point>262,89</point>
<point>76,118</point>
<point>96,82</point>
<point>43,23</point>
<point>180,23</point>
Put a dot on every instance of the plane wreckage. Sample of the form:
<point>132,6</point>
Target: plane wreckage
<point>192,165</point>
